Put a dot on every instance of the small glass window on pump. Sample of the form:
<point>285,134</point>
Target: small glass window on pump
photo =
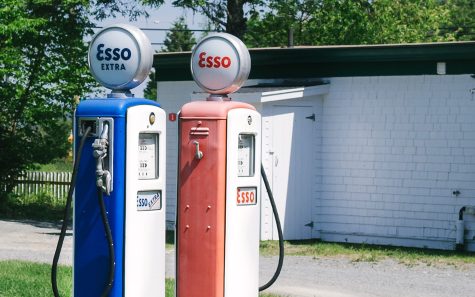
<point>246,155</point>
<point>148,156</point>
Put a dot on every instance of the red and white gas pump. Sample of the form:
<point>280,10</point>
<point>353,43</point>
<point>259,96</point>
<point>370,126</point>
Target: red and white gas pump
<point>219,177</point>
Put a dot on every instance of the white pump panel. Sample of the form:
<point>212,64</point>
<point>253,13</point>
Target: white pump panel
<point>242,203</point>
<point>145,207</point>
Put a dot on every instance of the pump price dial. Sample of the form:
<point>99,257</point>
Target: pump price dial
<point>246,196</point>
<point>245,155</point>
<point>147,156</point>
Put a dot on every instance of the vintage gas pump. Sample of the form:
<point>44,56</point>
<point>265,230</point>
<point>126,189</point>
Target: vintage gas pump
<point>119,176</point>
<point>218,207</point>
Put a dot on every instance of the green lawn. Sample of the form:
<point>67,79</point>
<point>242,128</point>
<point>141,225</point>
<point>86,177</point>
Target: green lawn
<point>18,278</point>
<point>368,253</point>
<point>25,279</point>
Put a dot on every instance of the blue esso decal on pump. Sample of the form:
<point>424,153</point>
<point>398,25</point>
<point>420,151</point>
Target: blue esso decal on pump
<point>120,57</point>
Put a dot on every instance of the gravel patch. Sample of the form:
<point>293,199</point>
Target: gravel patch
<point>33,241</point>
<point>305,276</point>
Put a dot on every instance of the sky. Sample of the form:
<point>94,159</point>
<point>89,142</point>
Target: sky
<point>161,18</point>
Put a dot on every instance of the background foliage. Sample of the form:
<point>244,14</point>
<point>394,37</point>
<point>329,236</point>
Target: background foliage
<point>331,22</point>
<point>178,39</point>
<point>43,66</point>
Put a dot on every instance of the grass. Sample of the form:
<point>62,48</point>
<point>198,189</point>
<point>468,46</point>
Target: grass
<point>19,278</point>
<point>368,253</point>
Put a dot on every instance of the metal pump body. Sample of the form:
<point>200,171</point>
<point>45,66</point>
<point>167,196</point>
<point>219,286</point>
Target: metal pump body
<point>123,156</point>
<point>218,203</point>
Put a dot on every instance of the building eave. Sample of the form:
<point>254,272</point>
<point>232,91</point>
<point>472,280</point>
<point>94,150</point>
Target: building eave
<point>338,61</point>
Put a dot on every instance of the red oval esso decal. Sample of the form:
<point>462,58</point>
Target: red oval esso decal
<point>213,62</point>
<point>220,63</point>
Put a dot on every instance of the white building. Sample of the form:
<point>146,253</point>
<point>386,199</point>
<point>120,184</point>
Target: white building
<point>372,144</point>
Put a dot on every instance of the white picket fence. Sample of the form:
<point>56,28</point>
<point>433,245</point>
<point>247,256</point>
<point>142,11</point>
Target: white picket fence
<point>55,184</point>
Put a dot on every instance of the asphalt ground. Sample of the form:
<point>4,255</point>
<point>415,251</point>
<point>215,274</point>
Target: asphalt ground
<point>301,276</point>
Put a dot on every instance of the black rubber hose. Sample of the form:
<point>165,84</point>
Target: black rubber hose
<point>279,231</point>
<point>110,242</point>
<point>59,246</point>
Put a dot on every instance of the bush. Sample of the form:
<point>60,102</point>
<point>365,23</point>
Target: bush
<point>35,207</point>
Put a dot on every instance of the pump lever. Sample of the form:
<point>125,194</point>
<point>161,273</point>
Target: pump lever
<point>198,153</point>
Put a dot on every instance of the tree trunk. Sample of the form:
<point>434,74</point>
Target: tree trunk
<point>236,23</point>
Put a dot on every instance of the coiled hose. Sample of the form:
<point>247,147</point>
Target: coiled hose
<point>66,216</point>
<point>279,231</point>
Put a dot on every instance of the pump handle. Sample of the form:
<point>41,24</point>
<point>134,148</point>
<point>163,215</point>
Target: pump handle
<point>198,153</point>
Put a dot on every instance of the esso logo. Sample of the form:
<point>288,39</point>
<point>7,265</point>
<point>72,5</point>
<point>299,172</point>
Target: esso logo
<point>246,196</point>
<point>213,62</point>
<point>120,57</point>
<point>220,63</point>
<point>112,54</point>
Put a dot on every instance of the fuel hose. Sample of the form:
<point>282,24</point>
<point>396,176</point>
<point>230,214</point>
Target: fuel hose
<point>107,229</point>
<point>66,216</point>
<point>67,213</point>
<point>279,231</point>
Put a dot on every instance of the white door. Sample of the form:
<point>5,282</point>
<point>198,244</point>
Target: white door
<point>289,161</point>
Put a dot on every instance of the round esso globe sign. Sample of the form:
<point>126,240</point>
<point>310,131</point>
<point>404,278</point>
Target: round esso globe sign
<point>120,57</point>
<point>220,63</point>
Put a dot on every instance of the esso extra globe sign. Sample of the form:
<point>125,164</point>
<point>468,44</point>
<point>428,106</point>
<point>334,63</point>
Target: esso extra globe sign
<point>120,57</point>
<point>220,63</point>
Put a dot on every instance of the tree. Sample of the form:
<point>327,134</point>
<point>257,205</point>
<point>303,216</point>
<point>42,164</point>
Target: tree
<point>326,22</point>
<point>406,21</point>
<point>461,22</point>
<point>43,65</point>
<point>178,39</point>
<point>225,15</point>
<point>150,90</point>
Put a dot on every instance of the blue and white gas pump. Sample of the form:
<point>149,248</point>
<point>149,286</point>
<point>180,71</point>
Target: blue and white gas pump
<point>119,176</point>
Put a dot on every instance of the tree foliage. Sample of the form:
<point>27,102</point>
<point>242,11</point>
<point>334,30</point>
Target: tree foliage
<point>43,66</point>
<point>461,21</point>
<point>264,23</point>
<point>150,91</point>
<point>178,39</point>
<point>328,22</point>
<point>224,15</point>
